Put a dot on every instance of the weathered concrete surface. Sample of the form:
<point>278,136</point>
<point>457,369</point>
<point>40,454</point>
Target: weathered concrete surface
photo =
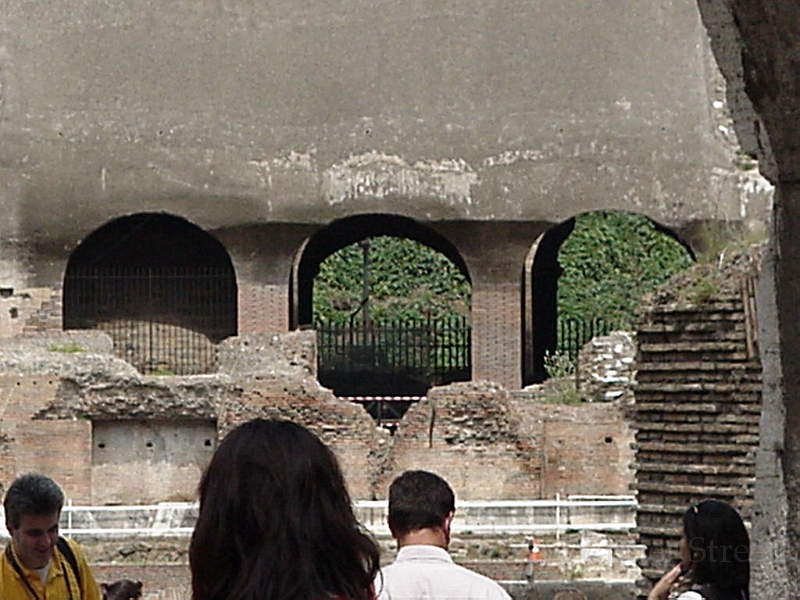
<point>234,113</point>
<point>81,355</point>
<point>776,530</point>
<point>291,354</point>
<point>486,123</point>
<point>771,544</point>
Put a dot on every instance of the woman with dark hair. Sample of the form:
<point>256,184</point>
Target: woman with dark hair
<point>276,521</point>
<point>715,556</point>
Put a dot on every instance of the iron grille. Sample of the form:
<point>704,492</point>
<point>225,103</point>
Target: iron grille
<point>393,358</point>
<point>164,320</point>
<point>574,333</point>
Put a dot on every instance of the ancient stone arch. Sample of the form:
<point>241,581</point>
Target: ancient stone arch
<point>161,287</point>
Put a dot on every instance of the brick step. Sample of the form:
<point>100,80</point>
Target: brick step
<point>747,418</point>
<point>660,509</point>
<point>723,368</point>
<point>693,338</point>
<point>692,490</point>
<point>727,480</point>
<point>660,466</point>
<point>653,574</point>
<point>734,430</point>
<point>746,462</point>
<point>721,346</point>
<point>740,401</point>
<point>671,326</point>
<point>668,510</point>
<point>677,507</point>
<point>660,532</point>
<point>674,407</point>
<point>650,379</point>
<point>697,407</point>
<point>740,356</point>
<point>704,449</point>
<point>721,304</point>
<point>709,439</point>
<point>668,387</point>
<point>748,426</point>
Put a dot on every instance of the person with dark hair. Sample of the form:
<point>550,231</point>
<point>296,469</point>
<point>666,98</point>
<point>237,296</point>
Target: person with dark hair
<point>421,509</point>
<point>715,556</point>
<point>37,563</point>
<point>276,521</point>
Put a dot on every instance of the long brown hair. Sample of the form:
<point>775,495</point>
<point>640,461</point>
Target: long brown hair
<point>276,521</point>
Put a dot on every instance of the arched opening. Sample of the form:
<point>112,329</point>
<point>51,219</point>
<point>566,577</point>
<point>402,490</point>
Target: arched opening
<point>390,300</point>
<point>586,277</point>
<point>161,287</point>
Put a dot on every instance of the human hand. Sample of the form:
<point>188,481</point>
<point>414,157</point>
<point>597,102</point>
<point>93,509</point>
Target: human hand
<point>664,585</point>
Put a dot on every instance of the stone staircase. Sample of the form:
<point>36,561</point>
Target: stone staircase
<point>696,414</point>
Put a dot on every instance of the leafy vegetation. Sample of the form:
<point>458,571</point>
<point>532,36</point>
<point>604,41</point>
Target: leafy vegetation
<point>558,364</point>
<point>610,261</point>
<point>408,280</point>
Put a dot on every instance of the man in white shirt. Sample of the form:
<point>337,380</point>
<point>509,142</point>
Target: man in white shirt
<point>421,508</point>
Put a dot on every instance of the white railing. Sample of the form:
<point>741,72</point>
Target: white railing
<point>517,517</point>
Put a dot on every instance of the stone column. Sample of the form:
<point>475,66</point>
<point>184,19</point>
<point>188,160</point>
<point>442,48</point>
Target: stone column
<point>263,308</point>
<point>776,514</point>
<point>262,258</point>
<point>497,333</point>
<point>495,256</point>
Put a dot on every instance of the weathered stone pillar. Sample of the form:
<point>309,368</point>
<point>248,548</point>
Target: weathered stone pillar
<point>262,258</point>
<point>495,255</point>
<point>776,515</point>
<point>263,308</point>
<point>497,333</point>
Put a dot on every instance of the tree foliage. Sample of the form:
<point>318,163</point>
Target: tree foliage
<point>408,280</point>
<point>610,261</point>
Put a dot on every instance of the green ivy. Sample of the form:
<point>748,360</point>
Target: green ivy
<point>408,280</point>
<point>610,261</point>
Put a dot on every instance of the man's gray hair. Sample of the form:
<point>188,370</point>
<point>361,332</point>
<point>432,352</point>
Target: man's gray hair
<point>32,494</point>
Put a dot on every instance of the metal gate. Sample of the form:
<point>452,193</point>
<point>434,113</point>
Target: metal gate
<point>403,357</point>
<point>573,333</point>
<point>163,320</point>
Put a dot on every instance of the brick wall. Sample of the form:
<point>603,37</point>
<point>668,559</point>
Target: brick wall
<point>588,448</point>
<point>61,448</point>
<point>470,435</point>
<point>345,427</point>
<point>494,445</point>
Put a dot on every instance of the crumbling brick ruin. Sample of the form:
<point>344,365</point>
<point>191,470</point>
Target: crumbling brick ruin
<point>136,439</point>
